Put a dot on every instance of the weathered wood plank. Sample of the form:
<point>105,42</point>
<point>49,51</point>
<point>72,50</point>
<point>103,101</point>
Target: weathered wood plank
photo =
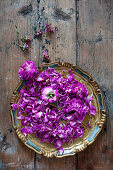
<point>95,55</point>
<point>67,163</point>
<point>61,16</point>
<point>14,155</point>
<point>26,15</point>
<point>61,45</point>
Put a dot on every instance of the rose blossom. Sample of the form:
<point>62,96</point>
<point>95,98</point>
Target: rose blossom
<point>49,94</point>
<point>27,70</point>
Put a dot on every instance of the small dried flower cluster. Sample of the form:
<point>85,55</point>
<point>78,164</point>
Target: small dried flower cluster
<point>46,57</point>
<point>37,111</point>
<point>49,29</point>
<point>38,33</point>
<point>26,40</point>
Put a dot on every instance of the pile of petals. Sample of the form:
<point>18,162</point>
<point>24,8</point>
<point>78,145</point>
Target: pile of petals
<point>52,106</point>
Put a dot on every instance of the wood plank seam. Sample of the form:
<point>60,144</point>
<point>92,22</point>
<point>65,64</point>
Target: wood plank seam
<point>77,42</point>
<point>77,59</point>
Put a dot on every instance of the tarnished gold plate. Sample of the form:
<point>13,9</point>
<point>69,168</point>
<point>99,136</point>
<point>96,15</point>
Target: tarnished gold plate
<point>90,134</point>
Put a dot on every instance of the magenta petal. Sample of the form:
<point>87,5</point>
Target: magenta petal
<point>46,119</point>
<point>60,150</point>
<point>71,77</point>
<point>24,131</point>
<point>89,125</point>
<point>20,117</point>
<point>69,71</point>
<point>38,114</point>
<point>27,70</point>
<point>59,143</point>
<point>93,112</point>
<point>14,106</point>
<point>90,98</point>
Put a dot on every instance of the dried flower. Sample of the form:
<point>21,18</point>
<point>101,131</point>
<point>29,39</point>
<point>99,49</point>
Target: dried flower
<point>49,94</point>
<point>49,29</point>
<point>27,70</point>
<point>26,39</point>
<point>38,116</point>
<point>15,106</point>
<point>24,47</point>
<point>38,32</point>
<point>46,57</point>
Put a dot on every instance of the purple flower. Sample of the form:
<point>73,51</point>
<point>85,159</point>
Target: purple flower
<point>20,116</point>
<point>49,29</point>
<point>70,71</point>
<point>24,131</point>
<point>38,32</point>
<point>92,110</point>
<point>38,114</point>
<point>46,57</point>
<point>44,54</point>
<point>58,143</point>
<point>15,106</point>
<point>70,77</point>
<point>49,94</point>
<point>27,70</point>
<point>80,90</point>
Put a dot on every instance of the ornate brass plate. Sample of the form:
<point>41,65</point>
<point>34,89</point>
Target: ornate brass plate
<point>90,134</point>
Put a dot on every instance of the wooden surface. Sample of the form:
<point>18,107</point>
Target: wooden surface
<point>83,36</point>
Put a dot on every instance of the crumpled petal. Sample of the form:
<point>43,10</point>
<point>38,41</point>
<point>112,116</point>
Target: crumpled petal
<point>24,131</point>
<point>15,106</point>
<point>58,143</point>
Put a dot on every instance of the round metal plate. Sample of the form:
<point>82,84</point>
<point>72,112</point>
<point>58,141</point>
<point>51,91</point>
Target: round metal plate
<point>90,134</point>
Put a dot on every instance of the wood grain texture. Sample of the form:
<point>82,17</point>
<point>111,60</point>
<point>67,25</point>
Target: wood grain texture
<point>27,15</point>
<point>61,46</point>
<point>95,55</point>
<point>13,154</point>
